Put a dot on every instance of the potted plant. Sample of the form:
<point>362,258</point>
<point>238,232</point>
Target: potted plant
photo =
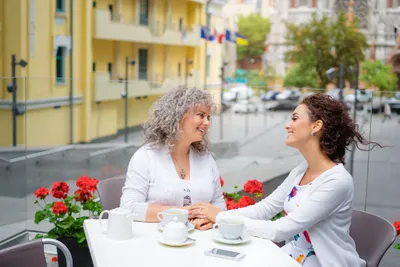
<point>67,213</point>
<point>254,191</point>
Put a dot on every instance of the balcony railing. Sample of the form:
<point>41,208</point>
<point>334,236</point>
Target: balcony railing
<point>156,32</point>
<point>107,87</point>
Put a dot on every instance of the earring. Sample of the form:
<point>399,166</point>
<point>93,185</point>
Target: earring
<point>312,133</point>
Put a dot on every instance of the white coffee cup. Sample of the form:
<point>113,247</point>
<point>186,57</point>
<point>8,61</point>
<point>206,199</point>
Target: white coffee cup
<point>119,225</point>
<point>230,228</point>
<point>168,215</point>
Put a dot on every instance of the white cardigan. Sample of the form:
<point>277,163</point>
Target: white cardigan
<point>325,213</point>
<point>152,178</point>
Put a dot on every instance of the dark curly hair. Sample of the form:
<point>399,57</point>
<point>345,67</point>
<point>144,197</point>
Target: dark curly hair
<point>339,131</point>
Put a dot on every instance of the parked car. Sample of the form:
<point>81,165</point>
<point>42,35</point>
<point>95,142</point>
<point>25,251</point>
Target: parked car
<point>363,96</point>
<point>244,106</point>
<point>289,94</point>
<point>237,93</point>
<point>269,96</point>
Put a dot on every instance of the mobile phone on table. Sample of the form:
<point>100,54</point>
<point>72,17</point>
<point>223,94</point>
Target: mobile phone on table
<point>225,254</point>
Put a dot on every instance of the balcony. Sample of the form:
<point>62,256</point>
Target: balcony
<point>112,89</point>
<point>155,33</point>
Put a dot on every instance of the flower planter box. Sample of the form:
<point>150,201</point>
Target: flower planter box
<point>80,255</point>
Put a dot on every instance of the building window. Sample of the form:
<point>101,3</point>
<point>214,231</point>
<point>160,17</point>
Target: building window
<point>60,5</point>
<point>303,2</point>
<point>94,66</point>
<point>110,9</point>
<point>208,66</point>
<point>180,24</point>
<point>144,12</point>
<point>179,69</point>
<point>143,56</point>
<point>60,65</point>
<point>109,69</point>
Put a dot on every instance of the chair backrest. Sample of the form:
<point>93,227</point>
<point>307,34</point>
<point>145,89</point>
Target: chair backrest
<point>31,254</point>
<point>110,191</point>
<point>373,236</point>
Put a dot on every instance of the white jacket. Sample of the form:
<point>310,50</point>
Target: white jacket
<point>325,213</point>
<point>152,178</point>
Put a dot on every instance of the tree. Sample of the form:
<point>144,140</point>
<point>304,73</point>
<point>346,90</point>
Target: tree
<point>380,75</point>
<point>325,43</point>
<point>256,29</point>
<point>301,76</point>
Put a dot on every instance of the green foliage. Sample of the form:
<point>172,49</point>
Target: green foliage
<point>301,76</point>
<point>255,28</point>
<point>324,43</point>
<point>380,75</point>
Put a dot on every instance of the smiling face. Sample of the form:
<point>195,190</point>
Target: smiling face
<point>300,127</point>
<point>195,124</point>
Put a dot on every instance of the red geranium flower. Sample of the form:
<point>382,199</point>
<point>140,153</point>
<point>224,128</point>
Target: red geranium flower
<point>83,195</point>
<point>41,192</point>
<point>59,208</point>
<point>221,181</point>
<point>60,190</point>
<point>54,259</point>
<point>85,182</point>
<point>246,201</point>
<point>253,187</point>
<point>231,205</point>
<point>397,226</point>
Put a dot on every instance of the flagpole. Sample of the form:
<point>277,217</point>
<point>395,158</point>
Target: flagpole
<point>206,43</point>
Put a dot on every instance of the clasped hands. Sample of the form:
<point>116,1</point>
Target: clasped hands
<point>202,215</point>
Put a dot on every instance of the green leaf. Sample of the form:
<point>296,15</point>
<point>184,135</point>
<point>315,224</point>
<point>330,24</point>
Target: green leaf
<point>236,197</point>
<point>80,236</point>
<point>40,216</point>
<point>66,223</point>
<point>397,246</point>
<point>38,236</point>
<point>75,209</point>
<point>88,205</point>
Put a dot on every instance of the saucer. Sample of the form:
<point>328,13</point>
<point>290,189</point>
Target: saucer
<point>173,244</point>
<point>189,226</point>
<point>243,239</point>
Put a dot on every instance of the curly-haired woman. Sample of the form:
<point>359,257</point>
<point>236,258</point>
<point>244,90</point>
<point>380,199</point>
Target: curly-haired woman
<point>316,197</point>
<point>174,167</point>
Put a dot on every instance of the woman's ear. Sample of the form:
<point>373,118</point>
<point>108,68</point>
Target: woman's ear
<point>317,126</point>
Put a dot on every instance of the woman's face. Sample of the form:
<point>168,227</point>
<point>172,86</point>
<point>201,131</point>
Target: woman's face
<point>195,124</point>
<point>299,128</point>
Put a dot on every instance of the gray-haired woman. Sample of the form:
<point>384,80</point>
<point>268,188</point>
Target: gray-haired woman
<point>174,167</point>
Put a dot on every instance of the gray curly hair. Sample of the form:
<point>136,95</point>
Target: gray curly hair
<point>163,126</point>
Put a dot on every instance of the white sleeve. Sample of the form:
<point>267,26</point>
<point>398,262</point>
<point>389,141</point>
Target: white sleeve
<point>325,200</point>
<point>218,198</point>
<point>135,190</point>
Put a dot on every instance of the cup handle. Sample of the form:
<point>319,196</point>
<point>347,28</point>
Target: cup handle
<point>102,227</point>
<point>160,218</point>
<point>215,227</point>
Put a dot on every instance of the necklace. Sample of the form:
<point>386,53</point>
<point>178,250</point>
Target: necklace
<point>182,174</point>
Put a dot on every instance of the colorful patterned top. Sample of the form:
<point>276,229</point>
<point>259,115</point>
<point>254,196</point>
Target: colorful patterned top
<point>300,248</point>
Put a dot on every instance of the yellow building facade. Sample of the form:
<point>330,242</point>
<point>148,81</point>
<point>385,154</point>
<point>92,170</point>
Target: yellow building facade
<point>159,39</point>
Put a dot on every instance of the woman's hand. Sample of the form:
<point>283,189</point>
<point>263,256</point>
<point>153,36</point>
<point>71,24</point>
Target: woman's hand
<point>202,224</point>
<point>203,210</point>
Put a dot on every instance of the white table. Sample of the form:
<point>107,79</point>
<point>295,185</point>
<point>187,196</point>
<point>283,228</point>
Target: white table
<point>145,250</point>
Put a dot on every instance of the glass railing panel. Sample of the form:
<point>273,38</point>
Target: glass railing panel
<point>382,173</point>
<point>13,151</point>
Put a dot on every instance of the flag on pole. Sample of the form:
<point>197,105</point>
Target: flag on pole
<point>241,40</point>
<point>229,37</point>
<point>206,34</point>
